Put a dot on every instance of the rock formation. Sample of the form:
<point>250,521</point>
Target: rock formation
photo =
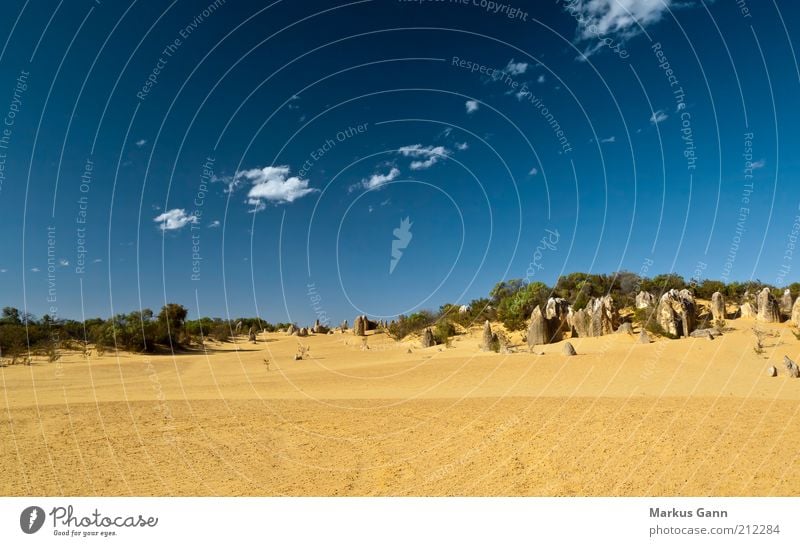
<point>556,312</point>
<point>291,330</point>
<point>772,371</point>
<point>786,302</point>
<point>251,335</point>
<point>581,323</point>
<point>768,308</point>
<point>538,332</point>
<point>717,306</point>
<point>796,312</point>
<point>488,338</point>
<point>749,306</point>
<point>319,328</point>
<point>303,332</point>
<point>568,349</point>
<point>645,300</point>
<point>359,326</point>
<point>604,316</point>
<point>644,339</point>
<point>676,313</point>
<point>427,338</point>
<point>791,367</point>
<point>463,310</point>
<point>625,328</point>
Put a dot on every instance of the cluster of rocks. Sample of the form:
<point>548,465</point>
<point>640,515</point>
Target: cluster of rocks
<point>677,312</point>
<point>792,370</point>
<point>598,318</point>
<point>765,307</point>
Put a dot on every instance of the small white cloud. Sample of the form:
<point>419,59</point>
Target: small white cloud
<point>96,261</point>
<point>214,224</point>
<point>471,105</point>
<point>609,139</point>
<point>624,18</point>
<point>270,184</point>
<point>461,146</point>
<point>516,68</point>
<point>3,270</point>
<point>377,180</point>
<point>174,219</point>
<point>63,262</point>
<point>370,209</point>
<point>35,269</point>
<point>533,172</point>
<point>757,164</point>
<point>658,116</point>
<point>140,143</point>
<point>428,155</point>
<point>541,78</point>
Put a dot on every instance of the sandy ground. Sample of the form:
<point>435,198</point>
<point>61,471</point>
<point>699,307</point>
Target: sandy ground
<point>685,417</point>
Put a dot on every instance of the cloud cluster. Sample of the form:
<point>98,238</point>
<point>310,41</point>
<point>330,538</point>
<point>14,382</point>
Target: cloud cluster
<point>624,18</point>
<point>425,156</point>
<point>269,184</point>
<point>471,105</point>
<point>377,180</point>
<point>658,116</point>
<point>174,219</point>
<point>516,69</point>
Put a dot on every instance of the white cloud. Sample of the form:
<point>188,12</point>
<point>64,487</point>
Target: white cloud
<point>174,219</point>
<point>63,262</point>
<point>96,261</point>
<point>214,224</point>
<point>461,146</point>
<point>757,164</point>
<point>377,180</point>
<point>270,184</point>
<point>516,68</point>
<point>540,79</point>
<point>609,139</point>
<point>658,116</point>
<point>140,143</point>
<point>533,172</point>
<point>471,105</point>
<point>624,18</point>
<point>35,269</point>
<point>3,270</point>
<point>427,156</point>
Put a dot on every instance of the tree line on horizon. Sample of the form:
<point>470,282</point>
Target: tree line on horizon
<point>510,302</point>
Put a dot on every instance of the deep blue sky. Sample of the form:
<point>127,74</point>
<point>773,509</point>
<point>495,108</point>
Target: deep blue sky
<point>475,166</point>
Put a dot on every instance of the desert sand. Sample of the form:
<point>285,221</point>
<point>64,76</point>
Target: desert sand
<point>675,417</point>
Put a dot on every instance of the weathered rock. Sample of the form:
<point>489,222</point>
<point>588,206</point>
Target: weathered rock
<point>320,328</point>
<point>556,313</point>
<point>747,310</point>
<point>706,332</point>
<point>768,308</point>
<point>676,313</point>
<point>238,328</point>
<point>488,337</point>
<point>625,328</point>
<point>581,323</point>
<point>644,339</point>
<point>791,367</point>
<point>538,331</point>
<point>251,335</point>
<point>604,316</point>
<point>359,326</point>
<point>645,300</point>
<point>796,312</point>
<point>717,306</point>
<point>786,302</point>
<point>568,349</point>
<point>772,371</point>
<point>303,332</point>
<point>427,338</point>
<point>292,330</point>
<point>344,326</point>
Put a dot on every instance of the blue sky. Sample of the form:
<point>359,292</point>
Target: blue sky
<point>245,159</point>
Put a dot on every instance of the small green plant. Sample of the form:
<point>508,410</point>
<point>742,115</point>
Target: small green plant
<point>443,331</point>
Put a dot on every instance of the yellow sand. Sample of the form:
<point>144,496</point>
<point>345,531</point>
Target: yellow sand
<point>685,417</point>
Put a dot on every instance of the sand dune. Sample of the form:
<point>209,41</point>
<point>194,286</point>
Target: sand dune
<point>685,417</point>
